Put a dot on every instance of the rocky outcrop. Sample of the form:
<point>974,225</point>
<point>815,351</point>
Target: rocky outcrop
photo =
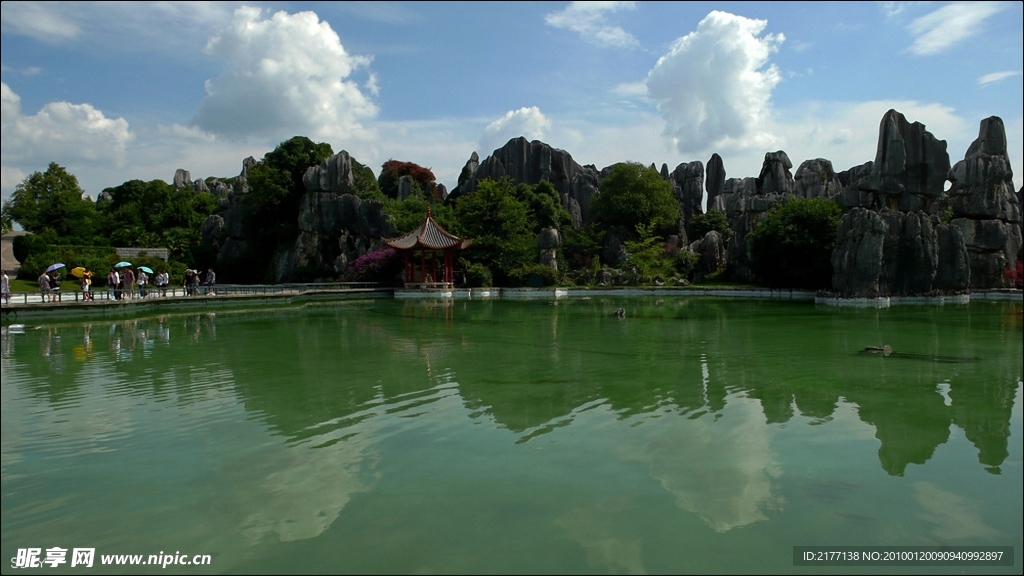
<point>225,230</point>
<point>182,179</point>
<point>908,173</point>
<point>334,174</point>
<point>711,250</point>
<point>688,188</point>
<point>714,183</point>
<point>985,207</point>
<point>548,242</point>
<point>891,253</point>
<point>335,226</point>
<point>531,163</point>
<point>816,179</point>
<point>745,202</point>
<point>775,177</point>
<point>334,229</point>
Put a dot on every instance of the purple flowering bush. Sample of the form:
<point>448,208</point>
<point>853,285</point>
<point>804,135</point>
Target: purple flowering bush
<point>377,266</point>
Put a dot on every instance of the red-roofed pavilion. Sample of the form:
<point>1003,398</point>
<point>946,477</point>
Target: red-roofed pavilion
<point>429,238</point>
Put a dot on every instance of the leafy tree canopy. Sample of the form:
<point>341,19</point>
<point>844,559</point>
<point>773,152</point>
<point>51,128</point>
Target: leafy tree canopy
<point>53,201</point>
<point>792,246</point>
<point>632,196</point>
<point>701,224</point>
<point>275,191</point>
<point>502,226</point>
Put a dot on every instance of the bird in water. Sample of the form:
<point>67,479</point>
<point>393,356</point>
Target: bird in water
<point>621,313</point>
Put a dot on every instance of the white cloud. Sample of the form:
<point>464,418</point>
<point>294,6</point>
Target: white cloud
<point>996,77</point>
<point>712,87</point>
<point>588,20</point>
<point>528,122</point>
<point>892,8</point>
<point>940,30</point>
<point>631,89</point>
<point>288,75</point>
<point>60,132</point>
<point>41,20</point>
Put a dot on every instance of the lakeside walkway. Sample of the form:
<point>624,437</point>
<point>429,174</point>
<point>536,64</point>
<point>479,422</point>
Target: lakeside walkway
<point>26,305</point>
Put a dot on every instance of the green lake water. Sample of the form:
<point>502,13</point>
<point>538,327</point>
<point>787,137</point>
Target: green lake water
<point>694,435</point>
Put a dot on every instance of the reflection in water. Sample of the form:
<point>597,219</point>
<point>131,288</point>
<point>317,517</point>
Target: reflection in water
<point>719,469</point>
<point>593,528</point>
<point>955,517</point>
<point>275,425</point>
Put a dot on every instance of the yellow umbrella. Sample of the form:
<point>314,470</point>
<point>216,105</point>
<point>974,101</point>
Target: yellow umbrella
<point>78,272</point>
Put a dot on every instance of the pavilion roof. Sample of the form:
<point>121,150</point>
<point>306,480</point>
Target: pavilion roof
<point>430,235</point>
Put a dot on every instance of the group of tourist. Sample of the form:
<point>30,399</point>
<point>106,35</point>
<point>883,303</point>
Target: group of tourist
<point>49,285</point>
<point>192,282</point>
<point>122,284</point>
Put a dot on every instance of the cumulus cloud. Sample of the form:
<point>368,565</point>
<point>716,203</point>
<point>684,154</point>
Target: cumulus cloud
<point>528,122</point>
<point>996,77</point>
<point>60,132</point>
<point>940,30</point>
<point>712,86</point>
<point>289,74</point>
<point>588,20</point>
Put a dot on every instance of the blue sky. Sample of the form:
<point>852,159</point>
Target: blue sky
<point>118,91</point>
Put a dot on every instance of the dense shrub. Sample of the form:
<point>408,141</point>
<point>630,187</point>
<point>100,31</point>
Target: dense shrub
<point>378,266</point>
<point>478,276</point>
<point>792,246</point>
<point>701,224</point>
<point>526,275</point>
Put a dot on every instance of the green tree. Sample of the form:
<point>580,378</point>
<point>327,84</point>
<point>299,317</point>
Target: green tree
<point>633,195</point>
<point>501,225</point>
<point>792,246</point>
<point>365,183</point>
<point>272,204</point>
<point>53,201</point>
<point>156,214</point>
<point>701,224</point>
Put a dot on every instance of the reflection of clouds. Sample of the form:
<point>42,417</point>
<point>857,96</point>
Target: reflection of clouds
<point>591,528</point>
<point>955,517</point>
<point>306,490</point>
<point>719,468</point>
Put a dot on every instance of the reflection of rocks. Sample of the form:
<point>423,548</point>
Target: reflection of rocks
<point>720,469</point>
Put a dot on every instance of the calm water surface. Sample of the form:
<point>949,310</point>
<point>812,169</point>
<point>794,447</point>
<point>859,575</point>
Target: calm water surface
<point>392,437</point>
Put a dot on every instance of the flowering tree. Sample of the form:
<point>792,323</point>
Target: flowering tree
<point>377,266</point>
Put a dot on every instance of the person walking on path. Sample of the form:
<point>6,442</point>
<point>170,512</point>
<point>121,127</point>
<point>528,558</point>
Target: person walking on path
<point>44,287</point>
<point>211,281</point>
<point>86,283</point>
<point>112,282</point>
<point>55,286</point>
<point>129,283</point>
<point>142,280</point>
<point>5,287</point>
<point>162,280</point>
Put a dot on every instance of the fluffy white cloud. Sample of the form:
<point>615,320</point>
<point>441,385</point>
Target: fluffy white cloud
<point>60,132</point>
<point>528,122</point>
<point>712,86</point>
<point>939,30</point>
<point>588,20</point>
<point>996,77</point>
<point>289,74</point>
